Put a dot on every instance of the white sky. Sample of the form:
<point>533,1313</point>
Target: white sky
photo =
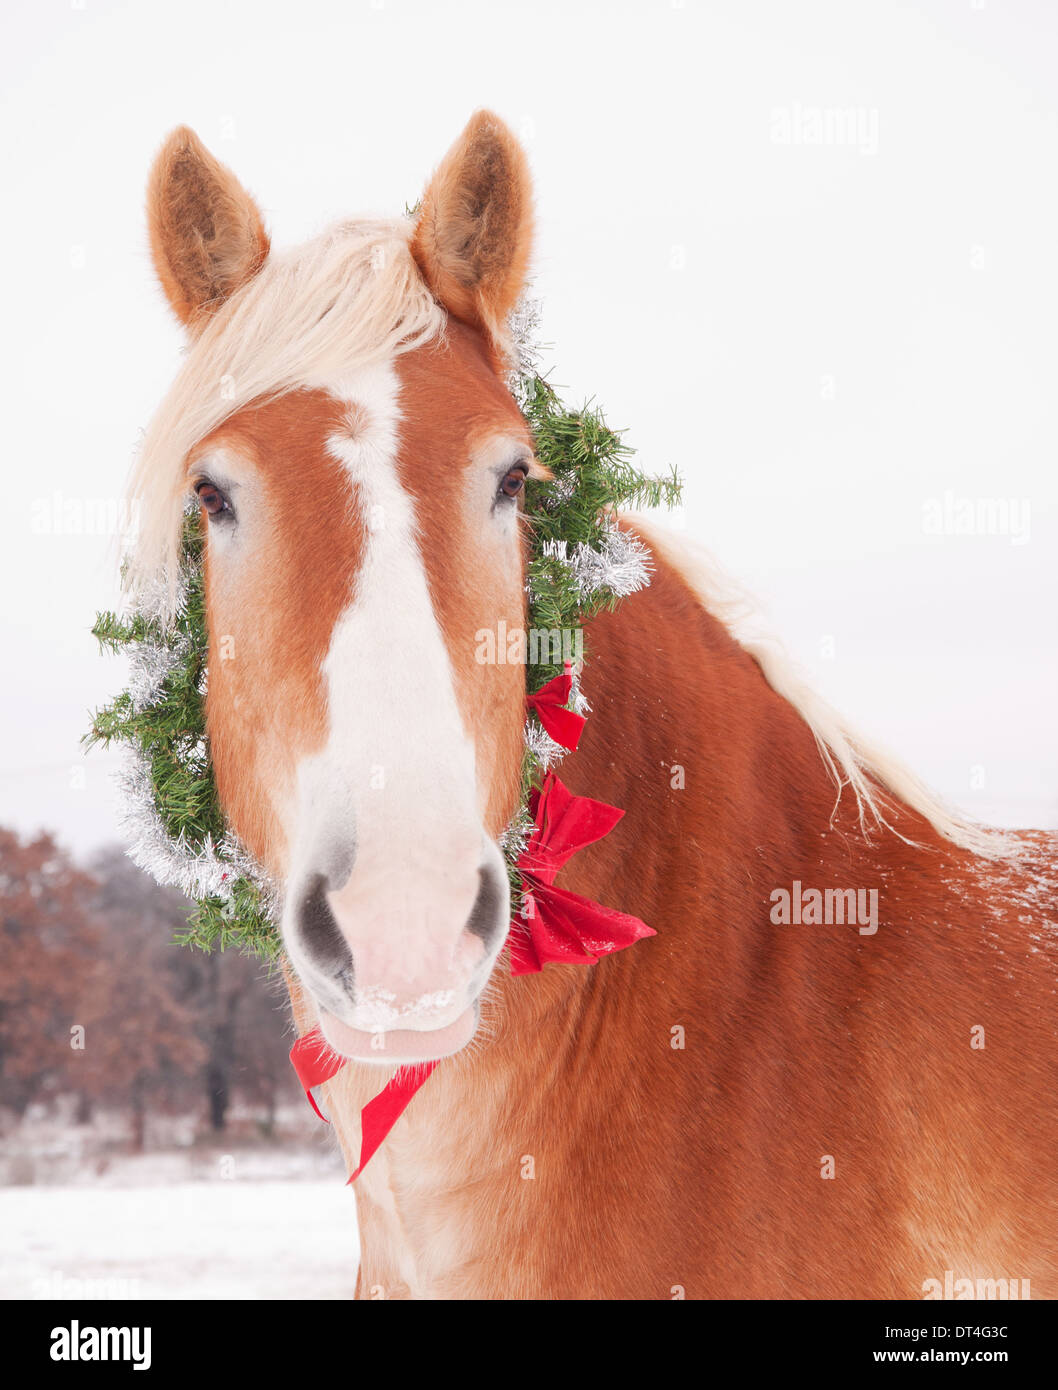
<point>824,337</point>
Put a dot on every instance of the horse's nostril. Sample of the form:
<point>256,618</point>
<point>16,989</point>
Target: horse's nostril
<point>321,937</point>
<point>487,920</point>
<point>389,947</point>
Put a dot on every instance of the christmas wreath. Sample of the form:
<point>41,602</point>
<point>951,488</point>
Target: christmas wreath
<point>579,563</point>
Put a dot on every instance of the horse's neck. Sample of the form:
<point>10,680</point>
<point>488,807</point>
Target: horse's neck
<point>708,763</point>
<point>726,798</point>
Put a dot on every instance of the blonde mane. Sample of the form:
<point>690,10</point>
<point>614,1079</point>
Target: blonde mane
<point>852,761</point>
<point>351,297</point>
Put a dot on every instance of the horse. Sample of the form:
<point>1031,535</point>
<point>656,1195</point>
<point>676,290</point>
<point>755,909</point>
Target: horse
<point>830,1074</point>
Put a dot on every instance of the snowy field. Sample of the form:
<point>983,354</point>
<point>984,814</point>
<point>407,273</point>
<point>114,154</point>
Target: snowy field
<point>223,1240</point>
<point>80,1218</point>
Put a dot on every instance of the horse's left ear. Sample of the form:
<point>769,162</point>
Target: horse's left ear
<point>475,228</point>
<point>207,236</point>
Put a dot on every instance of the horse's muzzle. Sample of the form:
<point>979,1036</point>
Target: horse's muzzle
<point>393,978</point>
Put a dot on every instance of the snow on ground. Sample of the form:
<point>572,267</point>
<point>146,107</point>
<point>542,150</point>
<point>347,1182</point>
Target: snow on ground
<point>224,1239</point>
<point>227,1217</point>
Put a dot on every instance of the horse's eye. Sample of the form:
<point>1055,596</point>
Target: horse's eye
<point>213,500</point>
<point>513,481</point>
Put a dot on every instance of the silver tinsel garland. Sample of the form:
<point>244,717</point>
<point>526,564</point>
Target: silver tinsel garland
<point>621,567</point>
<point>515,837</point>
<point>523,327</point>
<point>540,743</point>
<point>206,871</point>
<point>149,665</point>
<point>209,870</point>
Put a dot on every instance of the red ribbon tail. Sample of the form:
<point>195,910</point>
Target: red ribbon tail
<point>315,1061</point>
<point>312,1101</point>
<point>380,1114</point>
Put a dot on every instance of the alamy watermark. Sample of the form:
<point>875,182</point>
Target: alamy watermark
<point>60,515</point>
<point>853,127</point>
<point>539,646</point>
<point>952,1288</point>
<point>978,516</point>
<point>78,1342</point>
<point>797,906</point>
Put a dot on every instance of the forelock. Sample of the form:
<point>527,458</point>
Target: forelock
<point>352,297</point>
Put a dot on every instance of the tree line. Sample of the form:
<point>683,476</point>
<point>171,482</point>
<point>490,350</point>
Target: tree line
<point>99,1004</point>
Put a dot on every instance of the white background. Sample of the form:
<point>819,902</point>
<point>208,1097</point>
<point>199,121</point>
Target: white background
<point>824,337</point>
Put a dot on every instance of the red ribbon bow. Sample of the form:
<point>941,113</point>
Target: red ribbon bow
<point>564,725</point>
<point>555,925</point>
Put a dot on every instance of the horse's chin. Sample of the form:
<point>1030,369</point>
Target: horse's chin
<point>399,1045</point>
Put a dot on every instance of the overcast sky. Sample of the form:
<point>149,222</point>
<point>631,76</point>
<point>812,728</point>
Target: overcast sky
<point>806,252</point>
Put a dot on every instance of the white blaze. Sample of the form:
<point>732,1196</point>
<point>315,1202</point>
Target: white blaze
<point>398,769</point>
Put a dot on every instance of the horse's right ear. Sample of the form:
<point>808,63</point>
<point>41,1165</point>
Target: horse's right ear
<point>207,237</point>
<point>475,227</point>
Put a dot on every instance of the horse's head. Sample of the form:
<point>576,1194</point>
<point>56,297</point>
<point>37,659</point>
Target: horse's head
<point>343,421</point>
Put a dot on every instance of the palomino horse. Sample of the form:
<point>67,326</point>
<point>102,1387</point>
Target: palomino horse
<point>832,1072</point>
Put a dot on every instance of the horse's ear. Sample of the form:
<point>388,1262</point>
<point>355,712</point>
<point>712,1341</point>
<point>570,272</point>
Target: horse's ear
<point>475,227</point>
<point>207,237</point>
